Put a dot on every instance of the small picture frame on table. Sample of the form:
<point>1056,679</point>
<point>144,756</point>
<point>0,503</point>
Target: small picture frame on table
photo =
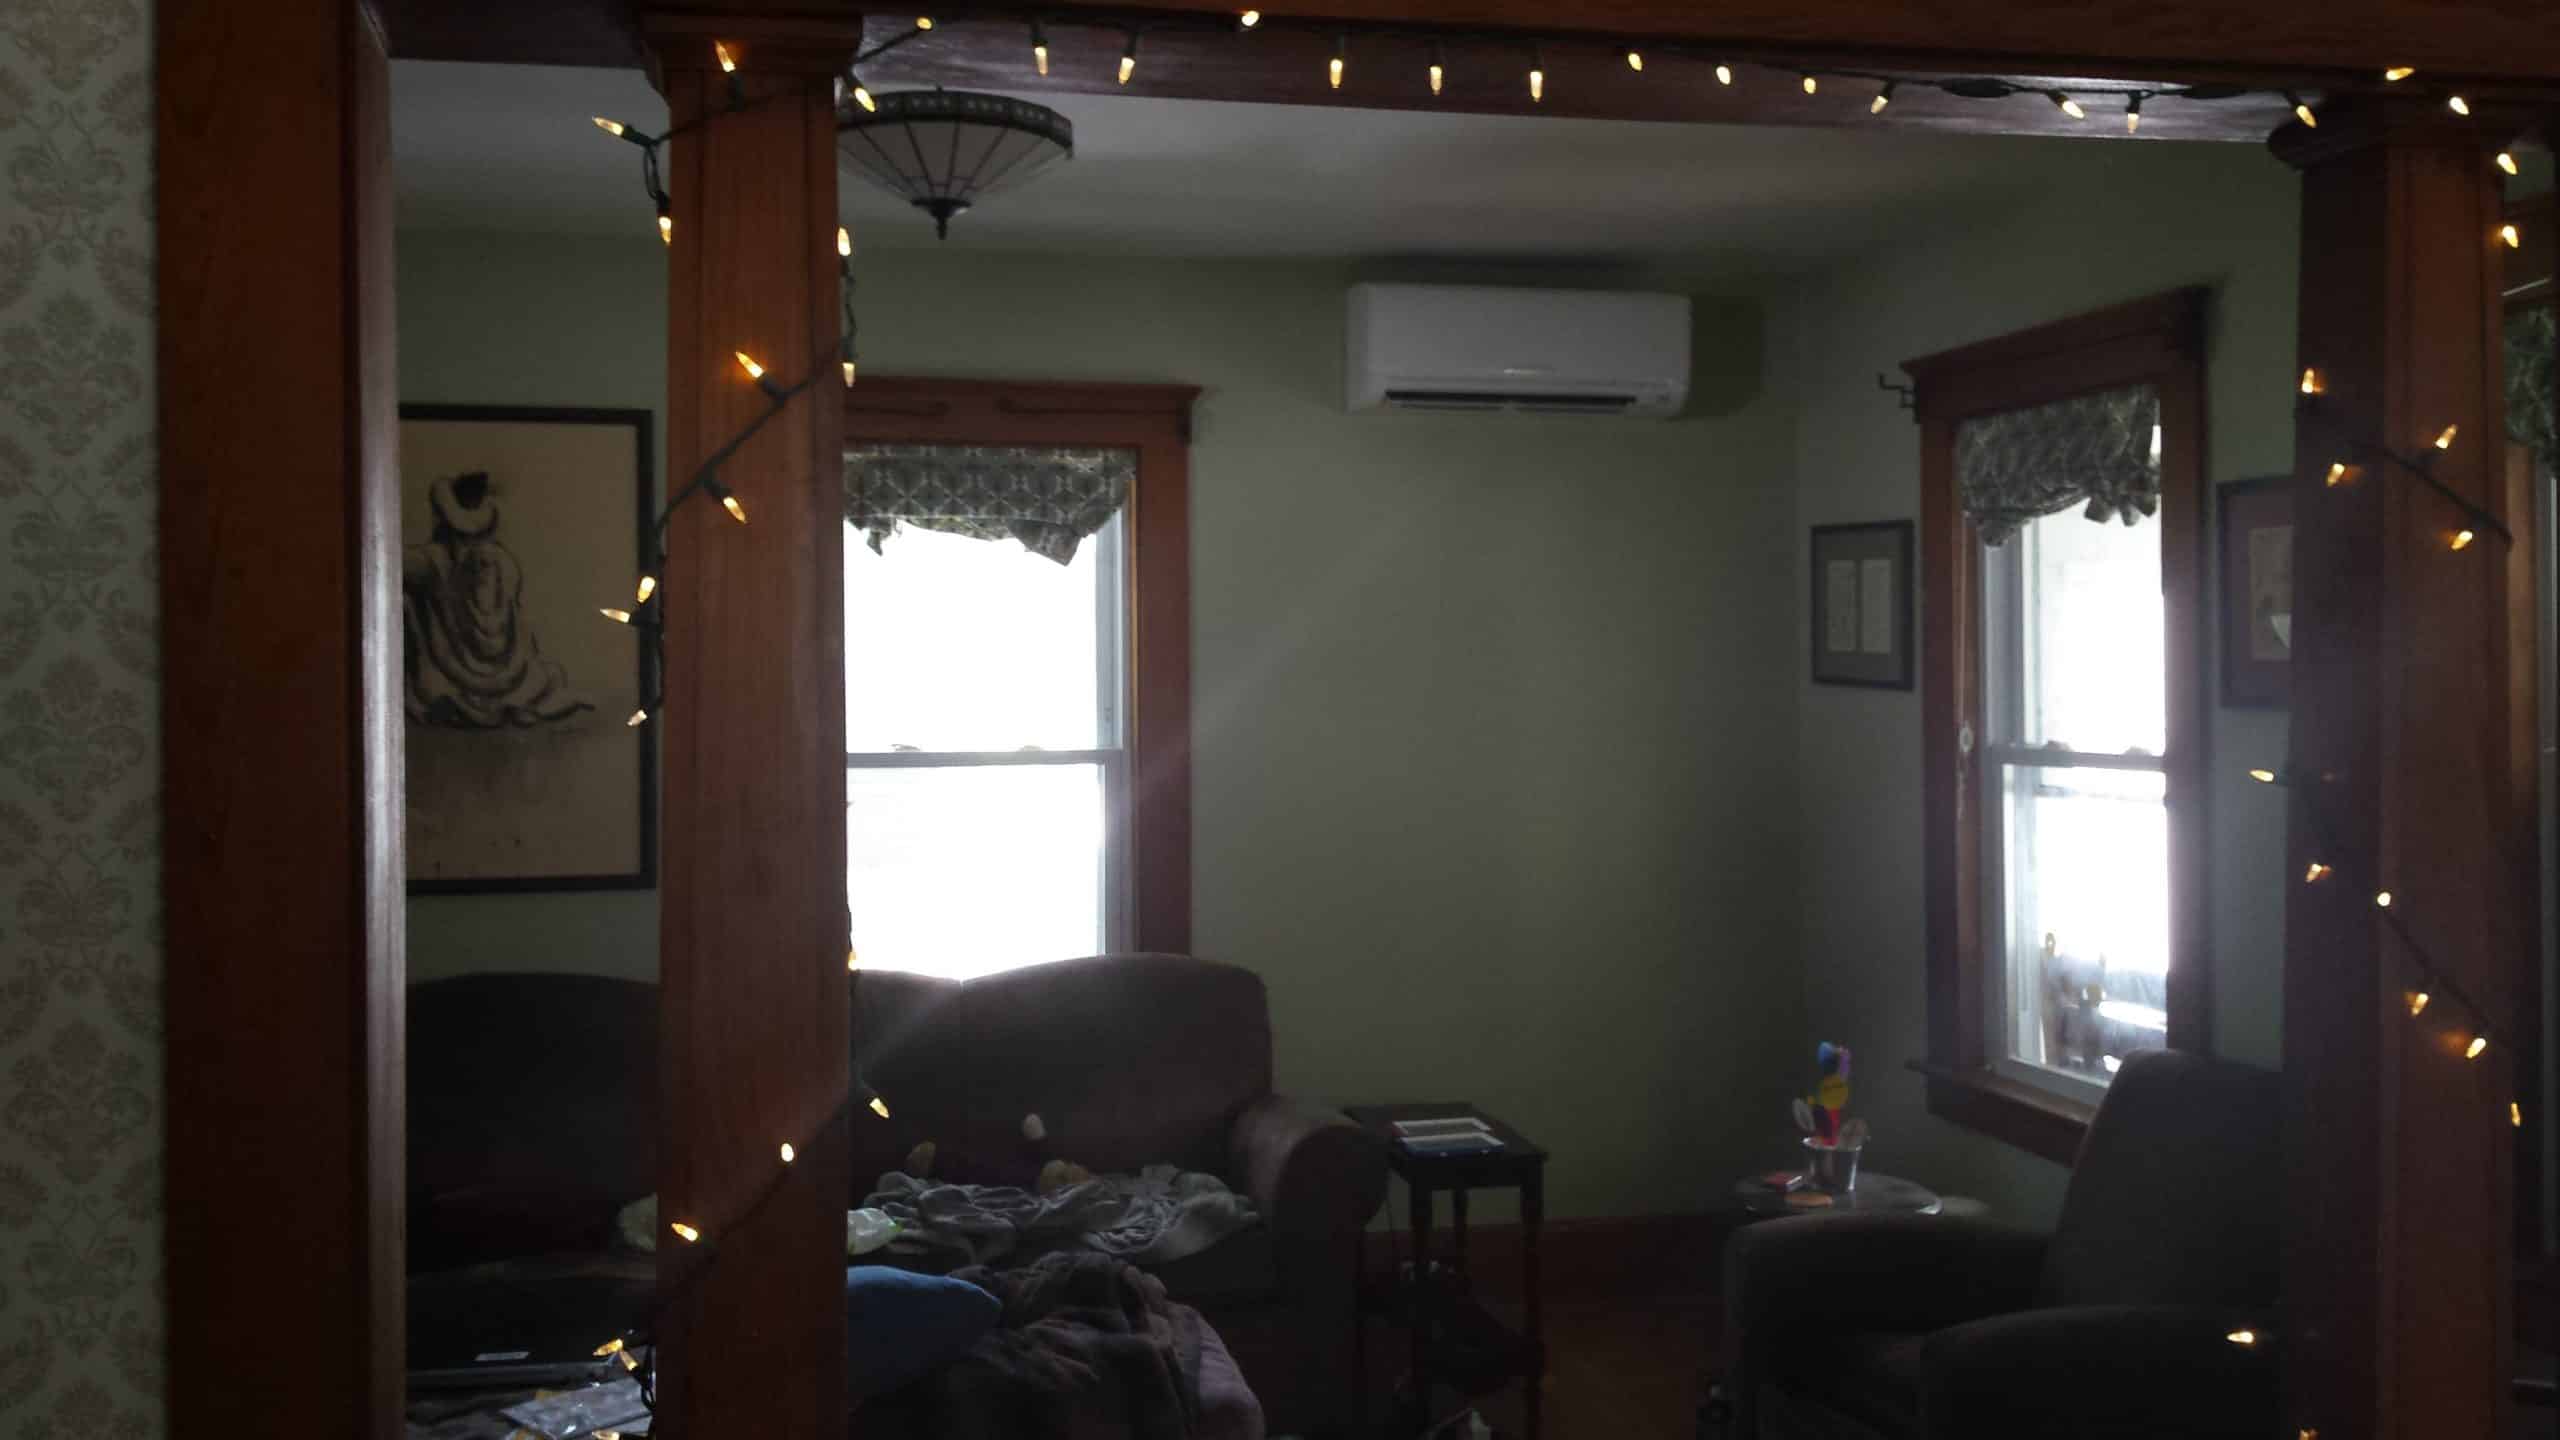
<point>1862,605</point>
<point>2254,520</point>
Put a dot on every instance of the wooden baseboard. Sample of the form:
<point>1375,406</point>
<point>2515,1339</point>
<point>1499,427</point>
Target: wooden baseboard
<point>1631,1256</point>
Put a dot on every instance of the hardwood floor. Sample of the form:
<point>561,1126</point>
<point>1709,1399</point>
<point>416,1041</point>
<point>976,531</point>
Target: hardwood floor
<point>1618,1368</point>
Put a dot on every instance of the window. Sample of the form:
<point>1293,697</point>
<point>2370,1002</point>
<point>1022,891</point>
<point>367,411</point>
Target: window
<point>1017,670</point>
<point>984,752</point>
<point>2074,801</point>
<point>2061,553</point>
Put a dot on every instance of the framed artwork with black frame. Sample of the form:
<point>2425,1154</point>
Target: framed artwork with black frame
<point>2254,522</point>
<point>1862,605</point>
<point>529,765</point>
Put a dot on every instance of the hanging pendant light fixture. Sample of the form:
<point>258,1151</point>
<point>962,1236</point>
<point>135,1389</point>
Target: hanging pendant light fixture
<point>945,150</point>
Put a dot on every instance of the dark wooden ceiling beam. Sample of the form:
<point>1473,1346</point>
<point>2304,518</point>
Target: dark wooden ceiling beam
<point>1193,51</point>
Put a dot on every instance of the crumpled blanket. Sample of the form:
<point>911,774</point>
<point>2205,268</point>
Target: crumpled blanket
<point>1088,1347</point>
<point>1157,1215</point>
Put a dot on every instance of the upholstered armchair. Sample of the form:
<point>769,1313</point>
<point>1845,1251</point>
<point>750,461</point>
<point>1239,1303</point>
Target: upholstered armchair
<point>2114,1325</point>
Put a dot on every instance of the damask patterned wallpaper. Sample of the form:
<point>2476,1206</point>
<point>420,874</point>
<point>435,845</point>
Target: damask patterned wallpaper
<point>80,1046</point>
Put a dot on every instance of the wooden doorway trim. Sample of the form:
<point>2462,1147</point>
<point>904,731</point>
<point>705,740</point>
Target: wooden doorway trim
<point>1155,421</point>
<point>281,714</point>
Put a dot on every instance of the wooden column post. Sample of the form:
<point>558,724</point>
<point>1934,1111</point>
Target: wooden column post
<point>2399,1149</point>
<point>753,989</point>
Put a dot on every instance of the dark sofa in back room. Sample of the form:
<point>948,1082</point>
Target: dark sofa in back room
<point>533,1116</point>
<point>1131,1060</point>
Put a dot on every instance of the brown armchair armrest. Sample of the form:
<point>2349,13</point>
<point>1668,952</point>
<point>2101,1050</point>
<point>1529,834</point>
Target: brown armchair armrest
<point>1312,1171</point>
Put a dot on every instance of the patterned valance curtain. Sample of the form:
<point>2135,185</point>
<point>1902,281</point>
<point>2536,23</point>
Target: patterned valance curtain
<point>1048,497</point>
<point>2090,450</point>
<point>2532,336</point>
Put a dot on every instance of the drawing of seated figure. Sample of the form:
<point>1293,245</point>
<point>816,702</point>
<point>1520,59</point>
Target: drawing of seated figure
<point>472,661</point>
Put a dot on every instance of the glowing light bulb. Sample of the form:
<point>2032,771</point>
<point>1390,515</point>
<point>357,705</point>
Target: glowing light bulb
<point>789,1154</point>
<point>2133,114</point>
<point>2418,1003</point>
<point>844,243</point>
<point>647,587</point>
<point>879,1107</point>
<point>1437,73</point>
<point>1635,60</point>
<point>1537,84</point>
<point>685,1232</point>
<point>618,617</point>
<point>2398,73</point>
<point>1724,74</point>
<point>2513,236</point>
<point>2337,473</point>
<point>2382,899</point>
<point>2068,106</point>
<point>924,22</point>
<point>666,228</point>
<point>2457,105</point>
<point>2302,111</point>
<point>2461,540</point>
<point>1040,56</point>
<point>2515,1114</point>
<point>610,1347</point>
<point>747,363</point>
<point>2507,162</point>
<point>2479,1045</point>
<point>614,128</point>
<point>629,1362</point>
<point>852,959</point>
<point>2310,382</point>
<point>1811,85</point>
<point>1333,67</point>
<point>2243,1338</point>
<point>1129,58</point>
<point>1249,19</point>
<point>638,719</point>
<point>736,511</point>
<point>1883,98</point>
<point>2263,777</point>
<point>728,62</point>
<point>862,97</point>
<point>848,372</point>
<point>2444,440</point>
<point>2316,872</point>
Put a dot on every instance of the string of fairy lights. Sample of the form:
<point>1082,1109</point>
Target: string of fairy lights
<point>1530,51</point>
<point>2433,990</point>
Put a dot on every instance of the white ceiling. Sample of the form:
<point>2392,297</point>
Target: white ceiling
<point>508,147</point>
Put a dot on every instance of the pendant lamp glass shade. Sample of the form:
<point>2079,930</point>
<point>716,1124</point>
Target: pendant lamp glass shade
<point>945,150</point>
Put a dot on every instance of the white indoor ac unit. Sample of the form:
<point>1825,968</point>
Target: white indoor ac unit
<point>1562,352</point>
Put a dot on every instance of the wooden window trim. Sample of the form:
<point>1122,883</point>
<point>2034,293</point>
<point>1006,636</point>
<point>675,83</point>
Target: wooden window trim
<point>2160,342</point>
<point>1155,421</point>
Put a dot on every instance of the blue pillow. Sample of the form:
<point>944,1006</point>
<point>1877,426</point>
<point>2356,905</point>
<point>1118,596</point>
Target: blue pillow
<point>899,1325</point>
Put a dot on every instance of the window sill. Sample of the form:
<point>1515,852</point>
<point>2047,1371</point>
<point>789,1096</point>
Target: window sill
<point>2011,1111</point>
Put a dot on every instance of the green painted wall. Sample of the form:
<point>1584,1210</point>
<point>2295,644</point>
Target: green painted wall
<point>1494,766</point>
<point>2148,218</point>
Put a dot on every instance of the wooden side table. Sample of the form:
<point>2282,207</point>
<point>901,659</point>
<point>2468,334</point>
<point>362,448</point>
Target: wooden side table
<point>1440,1311</point>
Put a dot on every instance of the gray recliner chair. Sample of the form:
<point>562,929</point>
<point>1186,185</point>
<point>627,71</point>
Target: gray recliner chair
<point>1918,1327</point>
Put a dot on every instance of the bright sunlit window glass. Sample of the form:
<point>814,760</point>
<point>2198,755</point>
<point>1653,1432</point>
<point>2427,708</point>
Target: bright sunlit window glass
<point>2076,798</point>
<point>984,759</point>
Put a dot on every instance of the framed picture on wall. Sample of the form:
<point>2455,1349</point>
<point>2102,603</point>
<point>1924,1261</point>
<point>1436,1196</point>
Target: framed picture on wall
<point>2255,521</point>
<point>517,525</point>
<point>1862,604</point>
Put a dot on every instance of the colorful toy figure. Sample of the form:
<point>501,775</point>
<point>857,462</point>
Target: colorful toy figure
<point>1818,1115</point>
